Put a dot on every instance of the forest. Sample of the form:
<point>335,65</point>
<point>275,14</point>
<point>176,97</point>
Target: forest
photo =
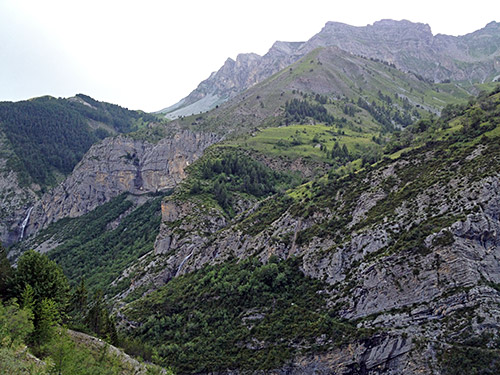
<point>49,136</point>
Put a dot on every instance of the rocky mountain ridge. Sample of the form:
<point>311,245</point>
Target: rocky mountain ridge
<point>412,47</point>
<point>234,77</point>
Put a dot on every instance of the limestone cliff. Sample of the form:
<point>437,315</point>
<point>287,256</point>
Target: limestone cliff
<point>15,200</point>
<point>408,248</point>
<point>409,46</point>
<point>117,165</point>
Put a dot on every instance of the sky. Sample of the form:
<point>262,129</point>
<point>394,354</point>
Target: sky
<point>149,54</point>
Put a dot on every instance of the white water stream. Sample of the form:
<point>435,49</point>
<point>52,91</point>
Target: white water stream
<point>25,223</point>
<point>182,263</point>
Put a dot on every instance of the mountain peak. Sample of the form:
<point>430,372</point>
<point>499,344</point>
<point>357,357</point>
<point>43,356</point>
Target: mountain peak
<point>402,24</point>
<point>410,46</point>
<point>492,25</point>
<point>384,25</point>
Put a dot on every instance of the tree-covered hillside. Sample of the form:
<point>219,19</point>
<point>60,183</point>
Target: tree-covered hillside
<point>36,311</point>
<point>246,316</point>
<point>49,136</point>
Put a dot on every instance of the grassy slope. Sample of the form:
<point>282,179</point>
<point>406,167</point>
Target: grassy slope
<point>302,141</point>
<point>450,144</point>
<point>336,74</point>
<point>254,120</point>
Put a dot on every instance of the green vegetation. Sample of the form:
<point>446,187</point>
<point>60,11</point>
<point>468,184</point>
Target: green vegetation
<point>40,304</point>
<point>457,123</point>
<point>226,173</point>
<point>329,86</point>
<point>271,210</point>
<point>99,245</point>
<point>385,114</point>
<point>86,227</point>
<point>98,254</point>
<point>475,361</point>
<point>121,119</point>
<point>317,143</point>
<point>245,315</point>
<point>438,155</point>
<point>63,352</point>
<point>298,111</point>
<point>479,354</point>
<point>49,136</point>
<point>5,271</point>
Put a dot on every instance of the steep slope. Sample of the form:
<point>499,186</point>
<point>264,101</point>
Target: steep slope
<point>118,165</point>
<point>41,142</point>
<point>410,46</point>
<point>15,198</point>
<point>408,248</point>
<point>234,77</point>
<point>354,90</point>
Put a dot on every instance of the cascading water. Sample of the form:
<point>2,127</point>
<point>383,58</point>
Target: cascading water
<point>25,223</point>
<point>182,263</point>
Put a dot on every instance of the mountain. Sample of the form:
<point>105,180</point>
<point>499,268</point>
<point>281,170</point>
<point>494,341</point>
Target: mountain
<point>412,47</point>
<point>405,253</point>
<point>338,216</point>
<point>361,90</point>
<point>233,78</point>
<point>373,266</point>
<point>42,140</point>
<point>358,93</point>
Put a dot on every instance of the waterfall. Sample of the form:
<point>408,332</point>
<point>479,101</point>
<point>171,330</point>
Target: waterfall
<point>182,263</point>
<point>25,223</point>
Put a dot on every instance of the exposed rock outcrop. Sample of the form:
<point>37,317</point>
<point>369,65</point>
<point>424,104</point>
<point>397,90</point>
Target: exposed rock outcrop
<point>409,46</point>
<point>15,200</point>
<point>118,165</point>
<point>417,291</point>
<point>412,47</point>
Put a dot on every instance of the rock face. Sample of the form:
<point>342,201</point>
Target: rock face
<point>15,200</point>
<point>414,272</point>
<point>234,77</point>
<point>413,47</point>
<point>409,46</point>
<point>118,165</point>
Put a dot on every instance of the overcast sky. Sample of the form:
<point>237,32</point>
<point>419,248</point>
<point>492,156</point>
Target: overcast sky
<point>149,54</point>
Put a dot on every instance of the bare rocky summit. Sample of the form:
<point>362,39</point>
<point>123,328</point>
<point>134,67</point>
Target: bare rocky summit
<point>409,46</point>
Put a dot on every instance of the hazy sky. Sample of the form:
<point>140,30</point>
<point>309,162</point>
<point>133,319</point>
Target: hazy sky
<point>149,54</point>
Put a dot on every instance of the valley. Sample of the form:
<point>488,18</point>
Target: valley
<point>330,207</point>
